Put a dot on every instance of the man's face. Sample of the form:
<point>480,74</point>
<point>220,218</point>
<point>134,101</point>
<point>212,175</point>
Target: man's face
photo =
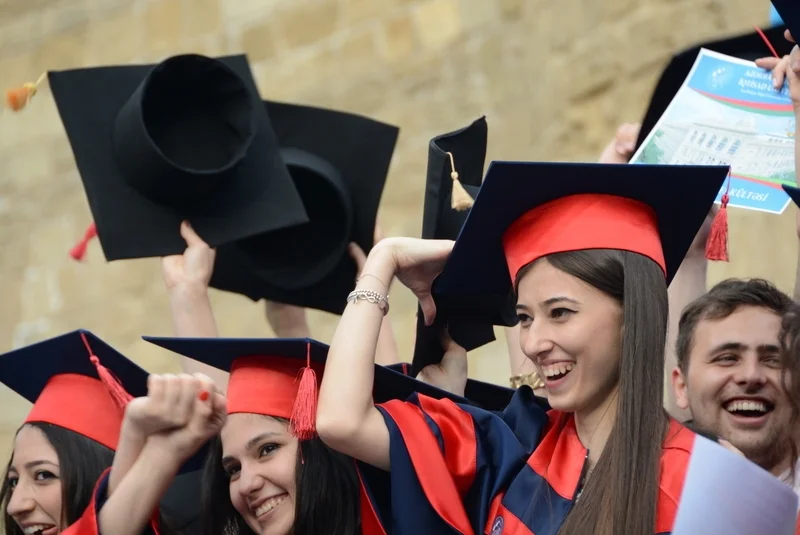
<point>732,384</point>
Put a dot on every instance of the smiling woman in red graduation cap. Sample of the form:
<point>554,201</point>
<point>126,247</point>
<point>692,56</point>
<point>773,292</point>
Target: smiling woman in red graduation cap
<point>588,251</point>
<point>69,437</point>
<point>268,473</point>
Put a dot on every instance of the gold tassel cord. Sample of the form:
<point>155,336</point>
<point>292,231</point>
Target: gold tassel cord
<point>460,200</point>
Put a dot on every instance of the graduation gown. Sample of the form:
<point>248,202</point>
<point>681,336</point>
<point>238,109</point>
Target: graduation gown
<point>89,523</point>
<point>457,469</point>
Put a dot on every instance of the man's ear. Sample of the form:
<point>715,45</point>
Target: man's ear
<point>680,388</point>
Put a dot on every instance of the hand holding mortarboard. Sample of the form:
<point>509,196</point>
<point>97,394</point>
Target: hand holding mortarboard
<point>451,373</point>
<point>415,263</point>
<point>191,270</point>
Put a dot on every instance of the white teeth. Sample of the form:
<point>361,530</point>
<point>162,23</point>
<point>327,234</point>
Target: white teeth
<point>269,505</point>
<point>741,405</point>
<point>30,530</point>
<point>558,369</point>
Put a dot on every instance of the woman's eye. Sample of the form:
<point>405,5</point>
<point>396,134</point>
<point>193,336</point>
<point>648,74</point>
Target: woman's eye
<point>43,475</point>
<point>232,470</point>
<point>266,449</point>
<point>558,313</point>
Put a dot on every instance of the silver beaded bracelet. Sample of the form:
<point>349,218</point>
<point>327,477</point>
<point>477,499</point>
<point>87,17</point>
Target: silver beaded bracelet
<point>371,297</point>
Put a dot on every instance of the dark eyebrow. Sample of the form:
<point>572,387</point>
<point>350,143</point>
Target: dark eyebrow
<point>738,346</point>
<point>558,299</point>
<point>250,444</point>
<point>728,346</point>
<point>33,464</point>
<point>547,302</point>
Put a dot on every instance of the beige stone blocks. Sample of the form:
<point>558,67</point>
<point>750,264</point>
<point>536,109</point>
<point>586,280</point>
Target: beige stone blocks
<point>553,77</point>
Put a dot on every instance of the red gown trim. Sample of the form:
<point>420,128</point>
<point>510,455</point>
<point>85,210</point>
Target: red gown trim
<point>432,470</point>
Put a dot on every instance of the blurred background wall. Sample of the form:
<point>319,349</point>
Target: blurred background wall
<point>554,79</point>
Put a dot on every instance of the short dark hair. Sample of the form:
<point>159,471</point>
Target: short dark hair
<point>723,300</point>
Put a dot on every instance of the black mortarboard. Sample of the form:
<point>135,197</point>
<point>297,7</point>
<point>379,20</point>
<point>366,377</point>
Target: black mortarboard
<point>339,162</point>
<point>462,152</point>
<point>749,46</point>
<point>789,11</point>
<point>187,138</point>
<point>528,210</point>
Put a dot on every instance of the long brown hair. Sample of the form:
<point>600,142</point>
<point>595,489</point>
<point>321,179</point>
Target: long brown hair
<point>621,494</point>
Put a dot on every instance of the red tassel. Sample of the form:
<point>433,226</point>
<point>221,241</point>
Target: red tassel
<point>304,412</point>
<point>717,243</point>
<point>79,251</point>
<point>118,393</point>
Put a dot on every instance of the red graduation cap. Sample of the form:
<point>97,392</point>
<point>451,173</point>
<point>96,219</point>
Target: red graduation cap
<point>271,376</point>
<point>72,382</point>
<point>528,210</point>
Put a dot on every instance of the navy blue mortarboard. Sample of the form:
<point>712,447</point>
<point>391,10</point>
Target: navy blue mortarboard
<point>793,192</point>
<point>455,156</point>
<point>527,210</point>
<point>338,162</point>
<point>749,46</point>
<point>187,138</point>
<point>488,396</point>
<point>75,381</point>
<point>264,374</point>
<point>789,13</point>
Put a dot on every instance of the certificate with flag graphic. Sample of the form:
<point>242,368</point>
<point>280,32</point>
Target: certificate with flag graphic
<point>729,113</point>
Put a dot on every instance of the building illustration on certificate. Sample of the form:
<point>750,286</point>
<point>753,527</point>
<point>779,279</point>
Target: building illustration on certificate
<point>728,113</point>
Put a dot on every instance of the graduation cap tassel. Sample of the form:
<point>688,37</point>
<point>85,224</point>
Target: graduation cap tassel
<point>118,393</point>
<point>460,200</point>
<point>18,97</point>
<point>79,250</point>
<point>717,243</point>
<point>304,412</point>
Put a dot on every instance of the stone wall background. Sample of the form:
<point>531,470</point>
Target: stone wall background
<point>553,78</point>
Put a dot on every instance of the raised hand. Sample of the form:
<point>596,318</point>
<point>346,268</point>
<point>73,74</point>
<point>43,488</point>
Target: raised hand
<point>415,263</point>
<point>168,404</point>
<point>206,415</point>
<point>193,268</point>
<point>451,373</point>
<point>357,253</point>
<point>620,149</point>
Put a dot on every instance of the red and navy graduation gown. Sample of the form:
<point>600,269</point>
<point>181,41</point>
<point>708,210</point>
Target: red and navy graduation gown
<point>89,522</point>
<point>457,469</point>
